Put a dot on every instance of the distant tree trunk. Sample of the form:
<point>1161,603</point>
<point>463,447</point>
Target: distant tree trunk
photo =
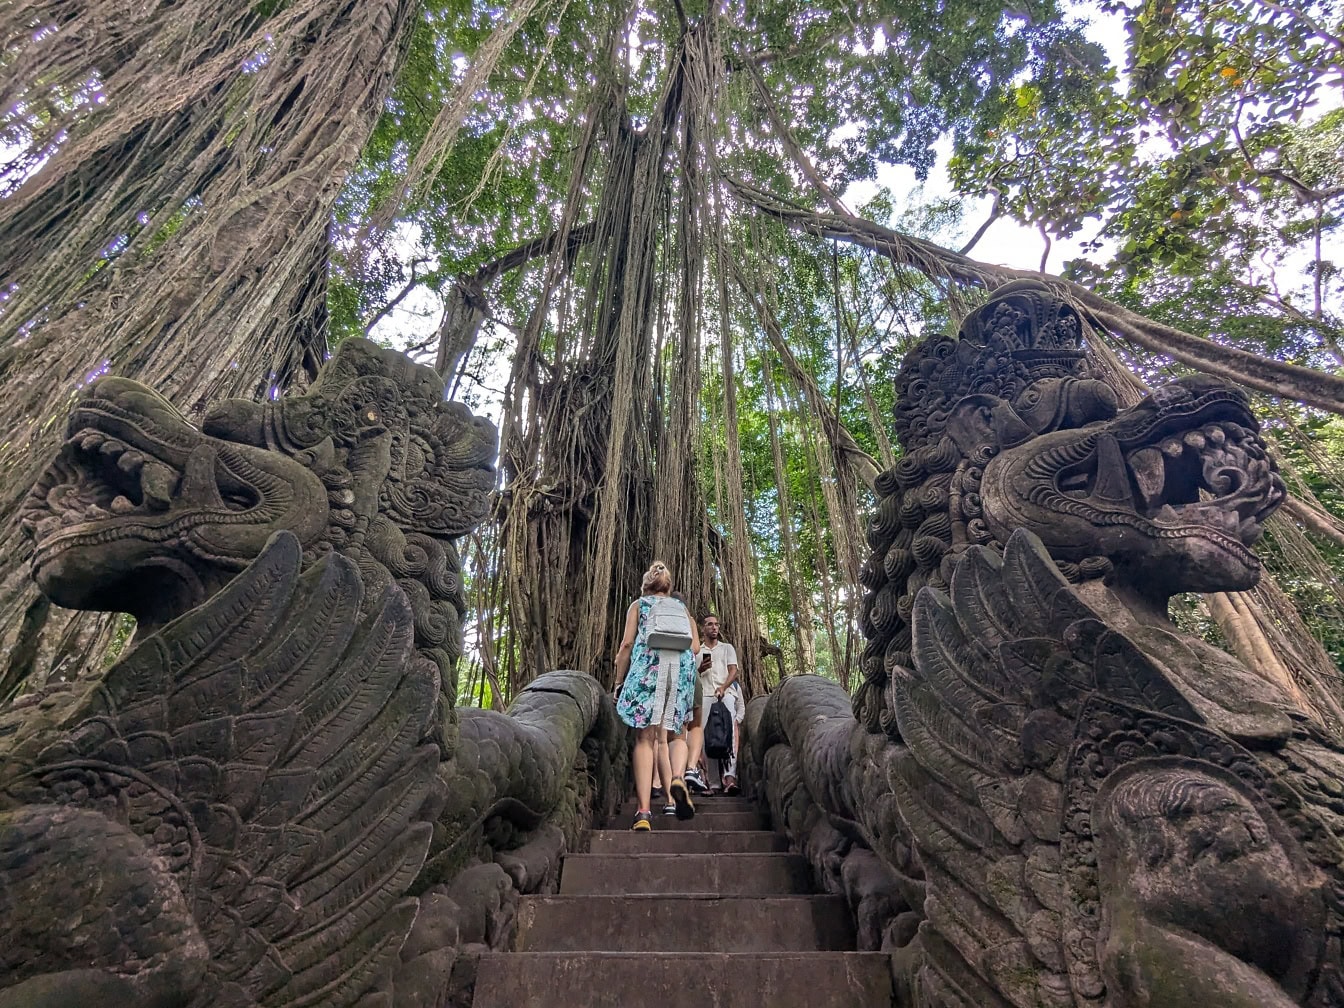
<point>739,603</point>
<point>176,232</point>
<point>803,635</point>
<point>840,664</point>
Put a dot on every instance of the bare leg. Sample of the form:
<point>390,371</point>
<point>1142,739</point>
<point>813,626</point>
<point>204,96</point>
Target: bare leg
<point>677,752</point>
<point>681,797</point>
<point>730,764</point>
<point>664,762</point>
<point>642,762</point>
<point>695,741</point>
<point>660,758</point>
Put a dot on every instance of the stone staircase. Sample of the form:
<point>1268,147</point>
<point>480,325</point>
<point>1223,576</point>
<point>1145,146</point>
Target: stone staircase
<point>708,912</point>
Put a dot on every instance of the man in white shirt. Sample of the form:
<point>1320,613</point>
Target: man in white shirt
<point>718,678</point>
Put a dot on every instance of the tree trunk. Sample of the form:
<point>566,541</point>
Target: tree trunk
<point>739,603</point>
<point>803,634</point>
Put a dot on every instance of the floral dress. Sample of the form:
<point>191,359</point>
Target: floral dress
<point>660,687</point>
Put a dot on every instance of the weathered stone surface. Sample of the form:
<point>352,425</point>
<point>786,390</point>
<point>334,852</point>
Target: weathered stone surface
<point>689,924</point>
<point>692,874</point>
<point>715,821</point>
<point>254,772</point>
<point>1072,804</point>
<point>557,758</point>
<point>636,979</point>
<point>622,841</point>
<point>701,925</point>
<point>143,513</point>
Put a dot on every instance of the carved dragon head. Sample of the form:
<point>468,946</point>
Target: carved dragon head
<point>1007,427</point>
<point>141,512</point>
<point>1174,492</point>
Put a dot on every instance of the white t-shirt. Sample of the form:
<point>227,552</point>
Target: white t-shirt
<point>722,655</point>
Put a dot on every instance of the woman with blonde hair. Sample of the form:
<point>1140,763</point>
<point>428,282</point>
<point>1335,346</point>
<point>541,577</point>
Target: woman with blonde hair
<point>656,687</point>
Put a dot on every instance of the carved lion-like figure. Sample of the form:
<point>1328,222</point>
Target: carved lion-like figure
<point>141,512</point>
<point>1074,804</point>
<point>269,799</point>
<point>1006,427</point>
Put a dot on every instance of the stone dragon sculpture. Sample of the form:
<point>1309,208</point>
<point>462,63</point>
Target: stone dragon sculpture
<point>145,514</point>
<point>270,799</point>
<point>1044,793</point>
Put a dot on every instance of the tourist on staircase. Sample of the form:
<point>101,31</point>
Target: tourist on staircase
<point>718,675</point>
<point>655,673</point>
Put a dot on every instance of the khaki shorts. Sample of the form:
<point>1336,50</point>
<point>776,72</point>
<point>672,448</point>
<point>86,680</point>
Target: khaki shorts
<point>699,695</point>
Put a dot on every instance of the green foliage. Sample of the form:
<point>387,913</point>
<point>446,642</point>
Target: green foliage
<point>1213,165</point>
<point>898,76</point>
<point>121,636</point>
<point>1209,164</point>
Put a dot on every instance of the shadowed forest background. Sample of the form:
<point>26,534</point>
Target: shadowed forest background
<point>676,251</point>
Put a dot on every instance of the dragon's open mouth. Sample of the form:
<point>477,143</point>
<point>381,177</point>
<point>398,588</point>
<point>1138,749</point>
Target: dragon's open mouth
<point>1225,464</point>
<point>100,488</point>
<point>141,512</point>
<point>1203,469</point>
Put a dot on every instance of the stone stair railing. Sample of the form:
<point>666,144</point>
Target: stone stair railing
<point>821,780</point>
<point>525,788</point>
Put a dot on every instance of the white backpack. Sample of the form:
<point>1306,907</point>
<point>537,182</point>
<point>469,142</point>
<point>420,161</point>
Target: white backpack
<point>669,625</point>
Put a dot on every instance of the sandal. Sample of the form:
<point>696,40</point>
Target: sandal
<point>685,808</point>
<point>643,822</point>
<point>732,789</point>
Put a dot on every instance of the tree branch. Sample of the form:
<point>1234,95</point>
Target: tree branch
<point>786,137</point>
<point>995,212</point>
<point>466,307</point>
<point>388,308</point>
<point>1315,519</point>
<point>1304,193</point>
<point>1290,381</point>
<point>1312,25</point>
<point>527,251</point>
<point>1330,334</point>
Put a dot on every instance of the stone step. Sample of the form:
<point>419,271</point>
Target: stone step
<point>703,821</point>
<point>623,841</point>
<point>656,980</point>
<point>684,874</point>
<point>683,924</point>
<point>702,804</point>
<point>626,814</point>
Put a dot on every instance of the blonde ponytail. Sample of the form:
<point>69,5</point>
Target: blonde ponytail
<point>656,579</point>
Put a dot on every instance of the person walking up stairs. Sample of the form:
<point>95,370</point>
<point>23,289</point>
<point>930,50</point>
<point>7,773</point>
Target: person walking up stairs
<point>707,911</point>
